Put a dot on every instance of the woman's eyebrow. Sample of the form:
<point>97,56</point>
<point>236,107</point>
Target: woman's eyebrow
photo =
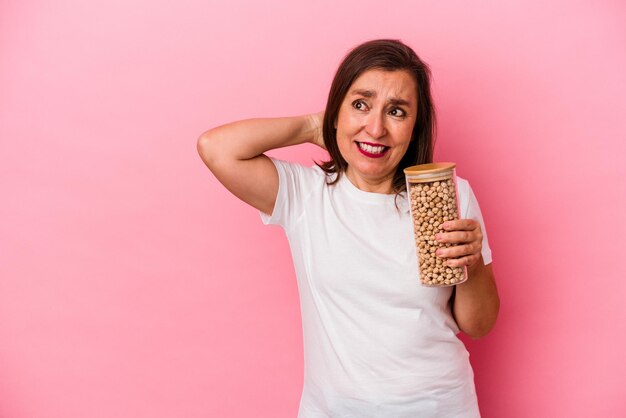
<point>372,93</point>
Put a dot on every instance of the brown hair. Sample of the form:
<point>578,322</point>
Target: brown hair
<point>391,55</point>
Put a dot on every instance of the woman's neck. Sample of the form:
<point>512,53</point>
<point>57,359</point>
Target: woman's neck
<point>371,185</point>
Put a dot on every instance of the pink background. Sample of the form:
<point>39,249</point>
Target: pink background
<point>133,285</point>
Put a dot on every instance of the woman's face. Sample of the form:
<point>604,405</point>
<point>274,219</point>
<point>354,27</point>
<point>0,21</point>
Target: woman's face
<point>374,127</point>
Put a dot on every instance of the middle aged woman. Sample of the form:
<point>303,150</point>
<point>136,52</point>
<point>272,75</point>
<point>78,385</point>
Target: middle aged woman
<point>376,342</point>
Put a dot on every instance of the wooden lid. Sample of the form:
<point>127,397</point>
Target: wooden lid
<point>431,168</point>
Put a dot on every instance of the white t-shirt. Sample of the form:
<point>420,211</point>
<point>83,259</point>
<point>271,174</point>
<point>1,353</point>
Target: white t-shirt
<point>377,344</point>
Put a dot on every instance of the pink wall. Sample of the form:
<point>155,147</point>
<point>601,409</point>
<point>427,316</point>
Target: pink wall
<point>133,285</point>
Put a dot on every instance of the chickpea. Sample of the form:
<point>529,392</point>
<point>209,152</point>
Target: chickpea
<point>433,203</point>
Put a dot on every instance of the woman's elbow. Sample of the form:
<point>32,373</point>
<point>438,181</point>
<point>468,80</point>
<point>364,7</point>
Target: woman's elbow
<point>481,327</point>
<point>205,148</point>
<point>478,332</point>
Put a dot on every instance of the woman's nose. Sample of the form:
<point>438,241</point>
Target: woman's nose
<point>375,125</point>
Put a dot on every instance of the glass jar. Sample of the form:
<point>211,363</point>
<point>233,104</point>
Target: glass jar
<point>432,192</point>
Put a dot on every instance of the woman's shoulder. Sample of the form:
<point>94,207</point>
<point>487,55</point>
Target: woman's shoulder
<point>467,199</point>
<point>463,189</point>
<point>301,173</point>
<point>462,180</point>
<point>462,184</point>
<point>299,168</point>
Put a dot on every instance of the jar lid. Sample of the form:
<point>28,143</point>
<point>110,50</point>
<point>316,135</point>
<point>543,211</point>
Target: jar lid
<point>431,168</point>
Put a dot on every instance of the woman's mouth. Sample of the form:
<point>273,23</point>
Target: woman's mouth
<point>371,150</point>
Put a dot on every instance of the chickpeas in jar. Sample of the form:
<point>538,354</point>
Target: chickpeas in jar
<point>432,193</point>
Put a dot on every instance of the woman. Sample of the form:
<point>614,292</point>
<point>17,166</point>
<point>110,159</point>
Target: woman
<point>376,342</point>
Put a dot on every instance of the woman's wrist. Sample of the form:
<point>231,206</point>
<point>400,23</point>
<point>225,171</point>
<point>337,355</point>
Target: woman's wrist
<point>314,125</point>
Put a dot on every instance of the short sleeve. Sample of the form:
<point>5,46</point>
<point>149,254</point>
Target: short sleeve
<point>471,210</point>
<point>295,182</point>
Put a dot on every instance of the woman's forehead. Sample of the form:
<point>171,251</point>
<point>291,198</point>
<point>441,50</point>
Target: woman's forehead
<point>397,84</point>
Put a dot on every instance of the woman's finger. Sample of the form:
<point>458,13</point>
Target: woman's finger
<point>459,250</point>
<point>463,261</point>
<point>460,225</point>
<point>458,237</point>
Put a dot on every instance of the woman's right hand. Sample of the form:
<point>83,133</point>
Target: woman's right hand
<point>316,122</point>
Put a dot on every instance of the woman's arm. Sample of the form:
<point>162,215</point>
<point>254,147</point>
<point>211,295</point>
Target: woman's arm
<point>234,154</point>
<point>476,301</point>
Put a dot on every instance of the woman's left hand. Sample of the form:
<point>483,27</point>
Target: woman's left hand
<point>466,238</point>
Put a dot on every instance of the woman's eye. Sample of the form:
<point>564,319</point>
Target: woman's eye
<point>397,112</point>
<point>359,104</point>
